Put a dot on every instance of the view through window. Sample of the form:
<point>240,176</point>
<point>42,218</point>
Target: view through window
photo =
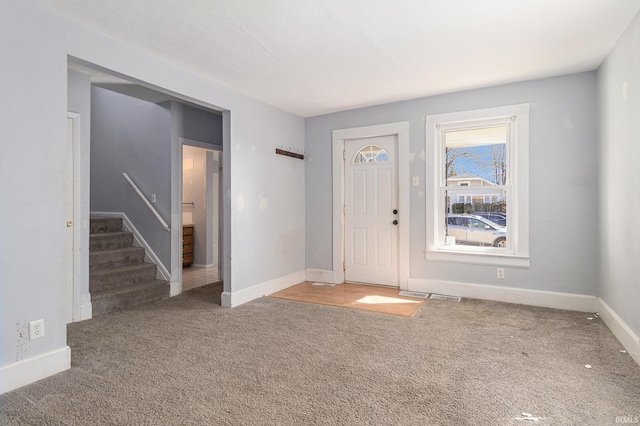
<point>478,205</point>
<point>476,186</point>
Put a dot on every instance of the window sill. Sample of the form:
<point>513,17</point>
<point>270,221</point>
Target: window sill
<point>508,260</point>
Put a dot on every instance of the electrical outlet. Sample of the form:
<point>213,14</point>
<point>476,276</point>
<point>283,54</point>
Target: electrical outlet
<point>153,198</point>
<point>36,329</point>
<point>500,273</point>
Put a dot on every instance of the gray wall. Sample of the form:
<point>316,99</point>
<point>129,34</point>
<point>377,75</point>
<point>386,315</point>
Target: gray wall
<point>32,183</point>
<point>132,136</point>
<point>619,118</point>
<point>201,125</point>
<point>563,182</point>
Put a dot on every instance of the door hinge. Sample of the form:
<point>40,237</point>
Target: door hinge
<point>344,155</point>
<point>344,265</point>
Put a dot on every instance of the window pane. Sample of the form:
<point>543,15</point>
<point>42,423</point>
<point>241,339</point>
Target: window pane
<point>371,154</point>
<point>471,221</point>
<point>477,157</point>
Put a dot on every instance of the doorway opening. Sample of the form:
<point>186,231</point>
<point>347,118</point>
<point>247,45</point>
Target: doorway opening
<point>201,190</point>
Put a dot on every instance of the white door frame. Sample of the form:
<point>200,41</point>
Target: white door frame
<point>76,314</point>
<point>401,130</point>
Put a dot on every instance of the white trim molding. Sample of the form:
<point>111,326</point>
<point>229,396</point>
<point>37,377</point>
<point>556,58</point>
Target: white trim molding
<point>78,259</point>
<point>620,329</point>
<point>31,370</point>
<point>200,144</point>
<point>515,119</point>
<point>86,308</point>
<point>237,298</point>
<point>321,275</point>
<point>175,288</point>
<point>401,130</point>
<point>546,299</point>
<point>203,266</point>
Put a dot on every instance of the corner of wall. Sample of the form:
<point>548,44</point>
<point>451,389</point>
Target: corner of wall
<point>620,329</point>
<point>321,275</point>
<point>233,299</point>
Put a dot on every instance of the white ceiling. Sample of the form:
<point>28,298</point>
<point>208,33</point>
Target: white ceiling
<point>311,57</point>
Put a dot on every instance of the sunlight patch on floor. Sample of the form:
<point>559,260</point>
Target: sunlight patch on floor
<point>370,300</point>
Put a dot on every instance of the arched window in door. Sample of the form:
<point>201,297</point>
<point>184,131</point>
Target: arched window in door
<point>371,154</point>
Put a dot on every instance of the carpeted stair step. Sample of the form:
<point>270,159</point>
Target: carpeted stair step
<point>105,225</point>
<point>115,258</point>
<point>120,277</point>
<point>126,297</point>
<point>110,240</point>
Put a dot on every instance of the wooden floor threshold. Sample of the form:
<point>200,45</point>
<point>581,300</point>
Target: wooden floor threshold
<point>372,298</point>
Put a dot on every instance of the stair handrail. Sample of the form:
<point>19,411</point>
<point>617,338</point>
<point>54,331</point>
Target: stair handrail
<point>141,195</point>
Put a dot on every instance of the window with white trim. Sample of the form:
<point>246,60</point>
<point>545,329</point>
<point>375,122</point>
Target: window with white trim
<point>486,221</point>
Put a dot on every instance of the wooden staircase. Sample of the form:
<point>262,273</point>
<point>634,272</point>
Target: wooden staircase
<point>119,278</point>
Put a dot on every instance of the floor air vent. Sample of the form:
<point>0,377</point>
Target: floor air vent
<point>443,297</point>
<point>323,285</point>
<point>414,294</point>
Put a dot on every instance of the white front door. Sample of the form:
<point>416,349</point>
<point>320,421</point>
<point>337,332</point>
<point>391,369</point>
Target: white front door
<point>70,218</point>
<point>371,203</point>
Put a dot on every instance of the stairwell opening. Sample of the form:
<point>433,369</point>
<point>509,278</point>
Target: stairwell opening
<point>137,130</point>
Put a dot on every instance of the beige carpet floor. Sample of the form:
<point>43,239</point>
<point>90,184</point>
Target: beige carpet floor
<point>188,361</point>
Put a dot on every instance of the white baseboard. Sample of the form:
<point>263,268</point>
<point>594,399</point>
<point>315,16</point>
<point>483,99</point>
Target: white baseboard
<point>31,370</point>
<point>233,299</point>
<point>620,329</point>
<point>202,266</point>
<point>150,255</point>
<point>321,275</point>
<point>547,299</point>
<point>175,288</point>
<point>86,311</point>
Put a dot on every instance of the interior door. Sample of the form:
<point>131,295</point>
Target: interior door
<point>371,215</point>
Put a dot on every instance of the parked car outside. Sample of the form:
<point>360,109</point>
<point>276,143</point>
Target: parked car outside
<point>476,230</point>
<point>499,218</point>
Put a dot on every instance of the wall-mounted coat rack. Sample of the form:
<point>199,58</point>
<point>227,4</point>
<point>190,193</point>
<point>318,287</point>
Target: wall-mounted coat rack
<point>289,153</point>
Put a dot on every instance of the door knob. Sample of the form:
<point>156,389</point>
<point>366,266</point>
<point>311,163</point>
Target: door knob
<point>395,211</point>
<point>395,222</point>
<point>69,224</point>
